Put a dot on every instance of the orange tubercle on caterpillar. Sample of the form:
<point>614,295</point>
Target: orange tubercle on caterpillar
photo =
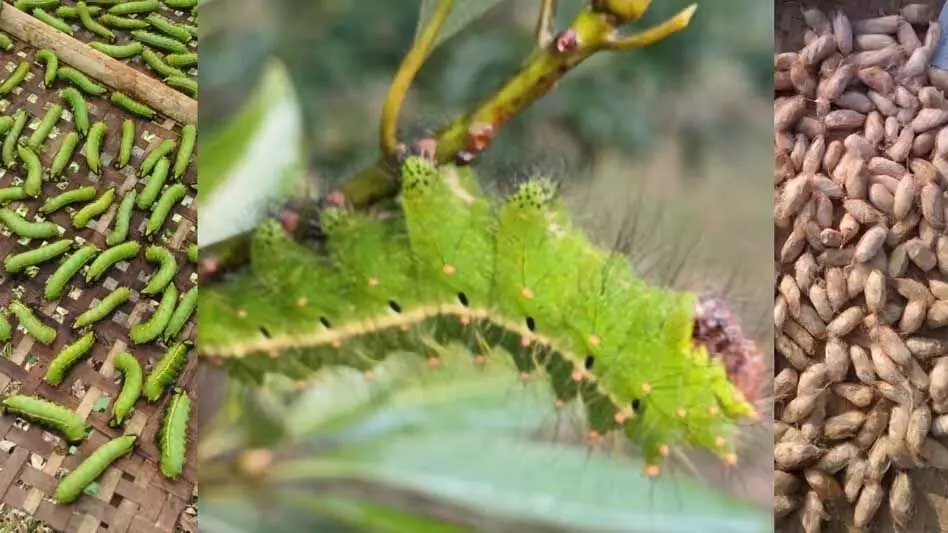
<point>594,437</point>
<point>664,450</point>
<point>480,360</point>
<point>559,404</point>
<point>368,375</point>
<point>646,388</point>
<point>448,270</point>
<point>433,362</point>
<point>652,471</point>
<point>577,375</point>
<point>681,413</point>
<point>302,302</point>
<point>465,320</point>
<point>373,282</point>
<point>526,293</point>
<point>336,343</point>
<point>730,459</point>
<point>241,313</point>
<point>594,341</point>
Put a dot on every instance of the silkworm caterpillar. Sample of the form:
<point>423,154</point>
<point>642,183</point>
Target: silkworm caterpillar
<point>155,182</point>
<point>12,194</point>
<point>131,387</point>
<point>34,326</point>
<point>6,123</point>
<point>33,185</point>
<point>5,42</point>
<point>150,329</point>
<point>70,12</point>
<point>91,24</point>
<point>25,228</point>
<point>16,78</point>
<point>13,135</point>
<point>18,262</point>
<point>111,256</point>
<point>68,357</point>
<point>181,4</point>
<point>159,41</point>
<point>168,27</point>
<point>163,207</point>
<point>80,80</point>
<point>67,270</point>
<point>123,23</point>
<point>118,51</point>
<point>126,145</point>
<point>6,331</point>
<point>50,62</point>
<point>182,60</point>
<point>94,146</point>
<point>131,8</point>
<point>183,83</point>
<point>104,308</point>
<point>174,435</point>
<point>82,194</point>
<point>182,313</point>
<point>35,142</point>
<point>77,104</point>
<point>64,155</point>
<point>154,62</point>
<point>30,5</point>
<point>81,218</point>
<point>638,357</point>
<point>71,486</point>
<point>193,253</point>
<point>122,219</point>
<point>51,20</point>
<point>166,371</point>
<point>50,415</point>
<point>163,149</point>
<point>167,268</point>
<point>132,106</point>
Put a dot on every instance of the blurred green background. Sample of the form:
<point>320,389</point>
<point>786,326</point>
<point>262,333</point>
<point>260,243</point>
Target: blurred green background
<point>673,138</point>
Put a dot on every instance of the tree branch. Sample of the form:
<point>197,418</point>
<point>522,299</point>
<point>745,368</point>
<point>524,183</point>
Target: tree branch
<point>545,22</point>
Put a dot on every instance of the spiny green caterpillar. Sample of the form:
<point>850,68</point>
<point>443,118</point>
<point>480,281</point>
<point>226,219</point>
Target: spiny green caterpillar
<point>118,51</point>
<point>5,124</point>
<point>70,12</point>
<point>94,466</point>
<point>15,78</point>
<point>30,5</point>
<point>64,154</point>
<point>15,263</point>
<point>34,326</point>
<point>150,329</point>
<point>169,28</point>
<point>151,160</point>
<point>193,253</point>
<point>94,146</point>
<point>185,150</point>
<point>35,142</point>
<point>68,357</point>
<point>645,361</point>
<point>80,80</point>
<point>85,17</point>
<point>12,194</point>
<point>55,203</point>
<point>123,23</point>
<point>132,106</point>
<point>181,4</point>
<point>167,268</point>
<point>80,112</point>
<point>67,270</point>
<point>6,43</point>
<point>182,313</point>
<point>34,171</point>
<point>131,387</point>
<point>113,255</point>
<point>51,415</point>
<point>154,184</point>
<point>182,60</point>
<point>154,62</point>
<point>48,59</point>
<point>174,435</point>
<point>91,210</point>
<point>25,228</point>
<point>159,41</point>
<point>104,308</point>
<point>183,83</point>
<point>52,20</point>
<point>13,135</point>
<point>163,207</point>
<point>135,7</point>
<point>122,219</point>
<point>126,145</point>
<point>166,371</point>
<point>6,331</point>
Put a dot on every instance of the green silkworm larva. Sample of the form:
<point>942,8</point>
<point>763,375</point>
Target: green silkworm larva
<point>34,171</point>
<point>103,309</point>
<point>71,486</point>
<point>51,415</point>
<point>68,357</point>
<point>52,20</point>
<point>122,219</point>
<point>159,41</point>
<point>5,42</point>
<point>123,23</point>
<point>94,146</point>
<point>167,268</point>
<point>16,78</point>
<point>25,228</point>
<point>118,51</point>
<point>181,4</point>
<point>163,149</point>
<point>12,194</point>
<point>135,7</point>
<point>151,329</point>
<point>35,142</point>
<point>82,194</point>
<point>6,124</point>
<point>131,387</point>
<point>155,182</point>
<point>50,62</point>
<point>67,270</point>
<point>128,142</point>
<point>169,28</point>
<point>166,371</point>
<point>132,106</point>
<point>182,60</point>
<point>81,218</point>
<point>183,83</point>
<point>13,135</point>
<point>6,331</point>
<point>80,80</point>
<point>182,313</point>
<point>70,12</point>
<point>64,155</point>
<point>111,256</point>
<point>34,326</point>
<point>77,104</point>
<point>154,62</point>
<point>91,24</point>
<point>18,262</point>
<point>163,207</point>
<point>30,5</point>
<point>174,435</point>
<point>193,253</point>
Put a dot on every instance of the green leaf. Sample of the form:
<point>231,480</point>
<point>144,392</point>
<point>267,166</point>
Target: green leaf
<point>464,12</point>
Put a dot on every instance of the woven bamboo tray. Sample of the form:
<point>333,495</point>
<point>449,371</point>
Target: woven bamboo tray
<point>132,495</point>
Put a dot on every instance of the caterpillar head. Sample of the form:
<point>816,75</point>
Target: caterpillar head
<point>418,175</point>
<point>534,193</point>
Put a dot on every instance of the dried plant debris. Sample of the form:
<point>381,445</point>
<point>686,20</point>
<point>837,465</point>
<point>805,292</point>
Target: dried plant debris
<point>861,283</point>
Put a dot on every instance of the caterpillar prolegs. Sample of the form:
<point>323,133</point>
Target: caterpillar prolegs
<point>665,368</point>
